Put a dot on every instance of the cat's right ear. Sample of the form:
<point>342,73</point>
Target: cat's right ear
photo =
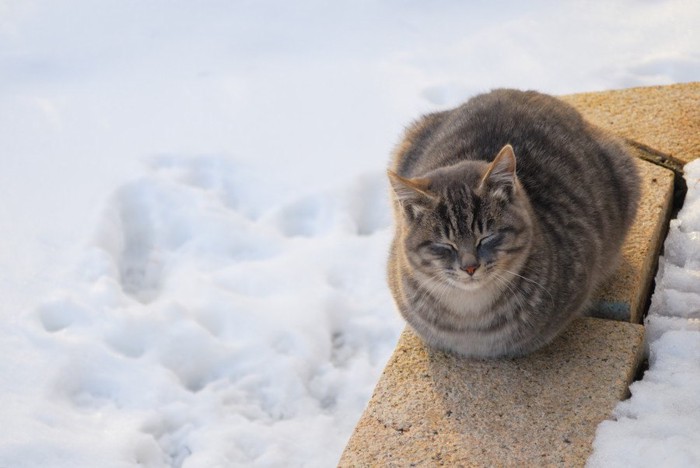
<point>413,194</point>
<point>500,175</point>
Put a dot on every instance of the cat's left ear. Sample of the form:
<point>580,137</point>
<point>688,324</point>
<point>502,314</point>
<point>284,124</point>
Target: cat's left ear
<point>413,194</point>
<point>501,172</point>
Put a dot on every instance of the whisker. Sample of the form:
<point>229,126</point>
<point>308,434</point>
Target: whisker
<point>511,288</point>
<point>531,281</point>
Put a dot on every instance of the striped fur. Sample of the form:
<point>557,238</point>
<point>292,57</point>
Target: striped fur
<point>509,211</point>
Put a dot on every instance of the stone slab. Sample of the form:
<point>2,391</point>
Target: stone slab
<point>666,118</point>
<point>625,295</point>
<point>435,409</point>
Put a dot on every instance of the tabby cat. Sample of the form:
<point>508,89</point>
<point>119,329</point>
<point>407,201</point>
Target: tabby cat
<point>509,211</point>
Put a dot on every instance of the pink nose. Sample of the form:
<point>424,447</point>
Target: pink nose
<point>470,269</point>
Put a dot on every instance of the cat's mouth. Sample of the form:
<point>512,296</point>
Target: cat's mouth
<point>466,283</point>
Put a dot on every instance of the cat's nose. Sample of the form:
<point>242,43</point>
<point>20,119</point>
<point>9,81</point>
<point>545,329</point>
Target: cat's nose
<point>468,263</point>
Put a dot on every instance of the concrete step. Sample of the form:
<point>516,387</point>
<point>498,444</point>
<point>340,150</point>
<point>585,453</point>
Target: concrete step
<point>625,295</point>
<point>666,118</point>
<point>433,409</point>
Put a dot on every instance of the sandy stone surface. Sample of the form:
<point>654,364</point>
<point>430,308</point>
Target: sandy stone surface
<point>432,409</point>
<point>666,118</point>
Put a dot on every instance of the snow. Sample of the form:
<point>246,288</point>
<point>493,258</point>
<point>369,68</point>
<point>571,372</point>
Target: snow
<point>195,219</point>
<point>207,328</point>
<point>660,424</point>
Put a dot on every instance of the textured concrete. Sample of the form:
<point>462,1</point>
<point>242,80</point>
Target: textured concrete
<point>625,295</point>
<point>666,118</point>
<point>434,409</point>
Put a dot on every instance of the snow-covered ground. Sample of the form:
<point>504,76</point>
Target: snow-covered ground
<point>194,218</point>
<point>660,424</point>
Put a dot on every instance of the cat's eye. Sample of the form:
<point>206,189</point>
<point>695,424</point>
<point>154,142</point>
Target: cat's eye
<point>490,240</point>
<point>441,250</point>
<point>487,239</point>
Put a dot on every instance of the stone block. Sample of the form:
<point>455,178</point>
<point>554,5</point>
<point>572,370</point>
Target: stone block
<point>435,409</point>
<point>666,118</point>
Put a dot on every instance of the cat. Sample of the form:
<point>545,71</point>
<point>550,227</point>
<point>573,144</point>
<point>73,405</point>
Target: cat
<point>509,211</point>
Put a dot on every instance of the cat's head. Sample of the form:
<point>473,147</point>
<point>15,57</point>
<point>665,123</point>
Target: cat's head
<point>468,225</point>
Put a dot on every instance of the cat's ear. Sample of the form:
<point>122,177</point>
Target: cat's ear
<point>413,194</point>
<point>501,172</point>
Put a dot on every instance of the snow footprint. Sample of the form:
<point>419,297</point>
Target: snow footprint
<point>140,266</point>
<point>368,203</point>
<point>361,209</point>
<point>307,217</point>
<point>171,430</point>
<point>238,187</point>
<point>60,313</point>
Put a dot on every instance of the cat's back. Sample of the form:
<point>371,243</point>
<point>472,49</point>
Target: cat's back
<point>562,159</point>
<point>478,128</point>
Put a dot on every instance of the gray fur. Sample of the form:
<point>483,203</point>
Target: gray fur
<point>539,227</point>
